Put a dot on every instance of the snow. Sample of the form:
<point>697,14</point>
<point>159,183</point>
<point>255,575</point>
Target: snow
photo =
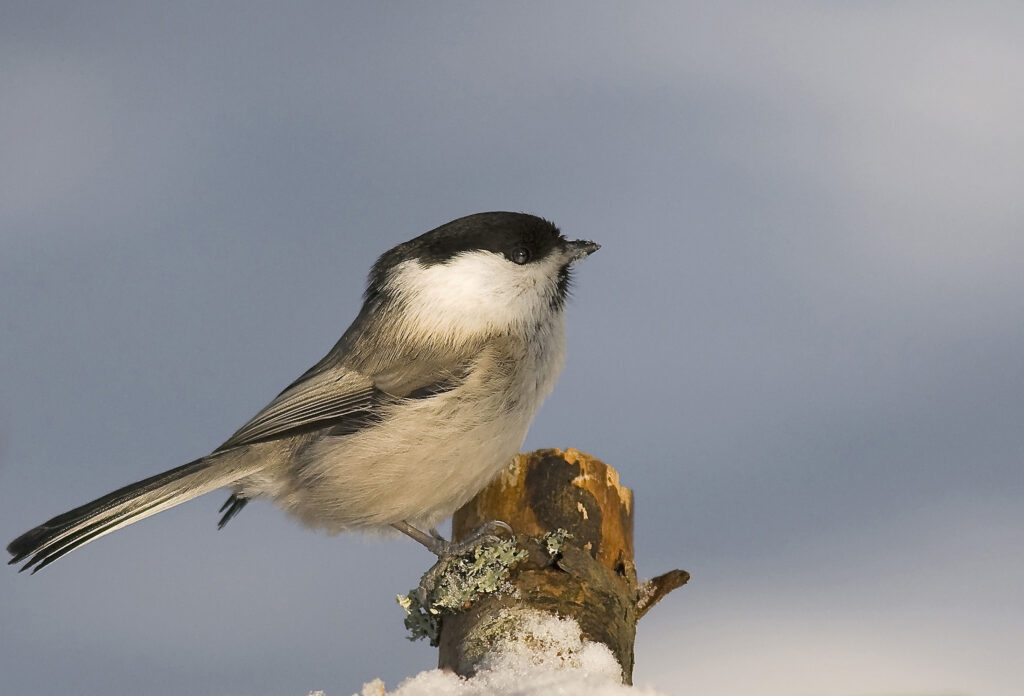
<point>547,655</point>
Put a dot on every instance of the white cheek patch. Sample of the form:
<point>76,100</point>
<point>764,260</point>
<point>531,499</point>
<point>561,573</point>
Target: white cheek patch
<point>475,292</point>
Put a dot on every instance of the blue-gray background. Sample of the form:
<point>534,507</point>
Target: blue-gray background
<point>802,343</point>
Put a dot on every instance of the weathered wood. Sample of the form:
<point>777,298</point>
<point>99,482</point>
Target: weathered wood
<point>588,575</point>
<point>654,590</point>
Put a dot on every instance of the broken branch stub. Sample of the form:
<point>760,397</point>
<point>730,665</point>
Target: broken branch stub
<point>574,521</point>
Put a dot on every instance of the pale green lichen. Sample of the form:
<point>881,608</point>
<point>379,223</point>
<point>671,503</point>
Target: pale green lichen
<point>555,541</point>
<point>453,584</point>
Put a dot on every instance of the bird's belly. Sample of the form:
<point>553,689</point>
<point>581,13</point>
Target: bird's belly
<point>417,468</point>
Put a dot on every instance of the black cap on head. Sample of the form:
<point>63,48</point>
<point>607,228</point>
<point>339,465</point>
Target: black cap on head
<point>498,232</point>
<point>503,233</point>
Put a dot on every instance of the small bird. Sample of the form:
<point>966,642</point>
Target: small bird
<point>423,400</point>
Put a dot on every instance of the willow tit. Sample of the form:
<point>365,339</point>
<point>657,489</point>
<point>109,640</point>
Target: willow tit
<point>423,400</point>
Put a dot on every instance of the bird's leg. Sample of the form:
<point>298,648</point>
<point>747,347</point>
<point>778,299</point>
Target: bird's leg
<point>435,543</point>
<point>441,547</point>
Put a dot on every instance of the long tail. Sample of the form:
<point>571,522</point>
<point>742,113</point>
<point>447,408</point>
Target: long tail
<point>56,537</point>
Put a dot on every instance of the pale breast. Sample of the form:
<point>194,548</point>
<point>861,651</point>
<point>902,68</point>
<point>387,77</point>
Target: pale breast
<point>429,456</point>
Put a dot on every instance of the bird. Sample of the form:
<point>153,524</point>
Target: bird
<point>423,400</point>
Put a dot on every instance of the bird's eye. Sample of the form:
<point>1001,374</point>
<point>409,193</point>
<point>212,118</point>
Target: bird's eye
<point>520,255</point>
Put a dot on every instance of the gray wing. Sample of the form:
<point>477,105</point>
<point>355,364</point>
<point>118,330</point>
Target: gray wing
<point>326,398</point>
<point>346,399</point>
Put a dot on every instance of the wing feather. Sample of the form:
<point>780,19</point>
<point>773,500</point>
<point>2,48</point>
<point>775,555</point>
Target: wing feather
<point>340,397</point>
<point>325,398</point>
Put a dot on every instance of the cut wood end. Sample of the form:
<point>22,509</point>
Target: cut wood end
<point>593,469</point>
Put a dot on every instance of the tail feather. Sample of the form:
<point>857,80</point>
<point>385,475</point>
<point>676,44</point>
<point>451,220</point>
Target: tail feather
<point>82,535</point>
<point>66,532</point>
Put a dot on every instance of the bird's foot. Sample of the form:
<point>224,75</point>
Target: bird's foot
<point>487,533</point>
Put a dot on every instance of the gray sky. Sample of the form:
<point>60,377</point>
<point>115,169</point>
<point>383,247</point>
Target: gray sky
<point>802,343</point>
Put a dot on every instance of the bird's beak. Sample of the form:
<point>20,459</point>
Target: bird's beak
<point>579,249</point>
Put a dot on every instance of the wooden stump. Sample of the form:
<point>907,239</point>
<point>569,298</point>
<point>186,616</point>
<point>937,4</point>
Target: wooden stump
<point>588,574</point>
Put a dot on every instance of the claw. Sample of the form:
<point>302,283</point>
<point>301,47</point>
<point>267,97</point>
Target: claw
<point>442,548</point>
<point>487,533</point>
